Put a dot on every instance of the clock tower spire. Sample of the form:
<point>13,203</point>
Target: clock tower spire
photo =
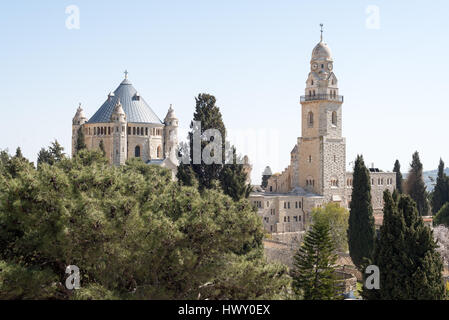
<point>322,149</point>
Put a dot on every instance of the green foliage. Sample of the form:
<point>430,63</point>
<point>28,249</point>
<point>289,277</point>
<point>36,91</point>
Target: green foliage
<point>230,177</point>
<point>314,265</point>
<point>265,179</point>
<point>399,180</point>
<point>233,179</point>
<point>103,151</point>
<point>132,231</point>
<point>442,216</point>
<point>80,141</point>
<point>410,267</point>
<point>19,153</point>
<point>210,117</point>
<point>361,231</point>
<point>415,186</point>
<point>55,153</point>
<point>336,218</point>
<point>440,194</point>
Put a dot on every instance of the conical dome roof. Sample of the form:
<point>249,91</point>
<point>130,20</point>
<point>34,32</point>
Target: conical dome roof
<point>134,106</point>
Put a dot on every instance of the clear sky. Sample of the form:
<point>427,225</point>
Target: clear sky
<point>252,55</point>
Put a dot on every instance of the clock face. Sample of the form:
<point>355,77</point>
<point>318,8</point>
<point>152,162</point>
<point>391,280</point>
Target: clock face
<point>315,66</point>
<point>329,66</point>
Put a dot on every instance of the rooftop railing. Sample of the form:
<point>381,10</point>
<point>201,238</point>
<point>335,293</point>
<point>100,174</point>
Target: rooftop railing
<point>329,97</point>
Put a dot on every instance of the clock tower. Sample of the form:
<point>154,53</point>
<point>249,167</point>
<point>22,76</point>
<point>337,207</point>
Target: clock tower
<point>322,149</point>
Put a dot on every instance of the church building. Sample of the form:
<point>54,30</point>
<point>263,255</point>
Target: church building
<point>127,128</point>
<point>317,172</point>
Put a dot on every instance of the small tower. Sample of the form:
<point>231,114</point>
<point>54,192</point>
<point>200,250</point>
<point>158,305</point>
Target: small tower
<point>247,168</point>
<point>119,144</point>
<point>267,173</point>
<point>78,121</point>
<point>170,134</point>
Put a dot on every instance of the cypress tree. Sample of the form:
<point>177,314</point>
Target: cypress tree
<point>410,267</point>
<point>399,180</point>
<point>314,271</point>
<point>361,231</point>
<point>231,177</point>
<point>440,193</point>
<point>103,151</point>
<point>388,249</point>
<point>210,117</point>
<point>415,186</point>
<point>19,153</point>
<point>442,216</point>
<point>80,143</point>
<point>265,176</point>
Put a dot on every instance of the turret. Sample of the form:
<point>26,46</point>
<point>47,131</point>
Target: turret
<point>170,134</point>
<point>77,122</point>
<point>119,144</point>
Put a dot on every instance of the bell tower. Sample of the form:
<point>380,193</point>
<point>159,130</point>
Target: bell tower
<point>119,144</point>
<point>322,149</point>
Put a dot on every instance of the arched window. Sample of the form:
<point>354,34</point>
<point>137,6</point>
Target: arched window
<point>312,82</point>
<point>310,119</point>
<point>137,152</point>
<point>334,118</point>
<point>138,131</point>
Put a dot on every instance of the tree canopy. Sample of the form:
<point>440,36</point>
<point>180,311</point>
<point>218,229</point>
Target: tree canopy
<point>133,233</point>
<point>336,217</point>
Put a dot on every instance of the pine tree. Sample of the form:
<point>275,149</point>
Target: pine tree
<point>415,186</point>
<point>80,142</point>
<point>314,265</point>
<point>440,194</point>
<point>56,151</point>
<point>361,231</point>
<point>399,180</point>
<point>410,267</point>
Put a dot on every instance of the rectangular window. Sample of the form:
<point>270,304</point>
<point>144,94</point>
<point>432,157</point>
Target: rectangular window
<point>285,205</point>
<point>134,131</point>
<point>146,131</point>
<point>289,205</point>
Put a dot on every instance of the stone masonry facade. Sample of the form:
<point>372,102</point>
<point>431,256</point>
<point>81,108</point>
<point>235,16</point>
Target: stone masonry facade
<point>317,172</point>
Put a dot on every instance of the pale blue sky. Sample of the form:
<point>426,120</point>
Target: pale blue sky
<point>252,55</point>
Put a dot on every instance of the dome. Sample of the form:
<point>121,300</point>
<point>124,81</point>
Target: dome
<point>134,106</point>
<point>170,114</point>
<point>321,52</point>
<point>79,116</point>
